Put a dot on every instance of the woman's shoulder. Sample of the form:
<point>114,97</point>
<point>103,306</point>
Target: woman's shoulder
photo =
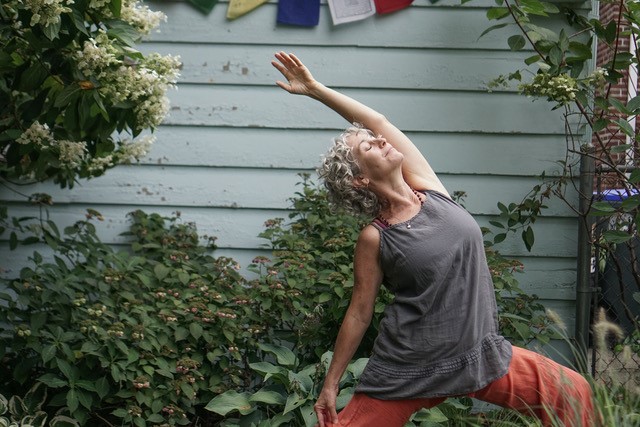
<point>369,235</point>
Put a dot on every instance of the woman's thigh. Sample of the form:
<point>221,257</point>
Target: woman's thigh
<point>365,411</point>
<point>539,386</point>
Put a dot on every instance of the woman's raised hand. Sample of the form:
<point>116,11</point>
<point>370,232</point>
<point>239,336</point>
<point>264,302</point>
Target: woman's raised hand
<point>299,78</point>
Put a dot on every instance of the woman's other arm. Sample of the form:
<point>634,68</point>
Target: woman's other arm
<point>367,280</point>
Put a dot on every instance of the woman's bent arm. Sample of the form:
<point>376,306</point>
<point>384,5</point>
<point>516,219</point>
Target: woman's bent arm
<point>367,279</point>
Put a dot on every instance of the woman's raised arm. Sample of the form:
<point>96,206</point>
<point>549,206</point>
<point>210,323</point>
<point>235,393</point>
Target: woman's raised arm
<point>415,167</point>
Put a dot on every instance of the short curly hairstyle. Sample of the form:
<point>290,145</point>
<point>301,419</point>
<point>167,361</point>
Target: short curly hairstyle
<point>338,170</point>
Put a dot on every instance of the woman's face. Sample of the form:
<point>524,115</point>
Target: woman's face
<point>375,156</point>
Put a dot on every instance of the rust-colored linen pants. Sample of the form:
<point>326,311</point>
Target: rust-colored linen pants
<point>534,385</point>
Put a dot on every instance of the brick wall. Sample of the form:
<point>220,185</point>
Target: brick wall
<point>608,137</point>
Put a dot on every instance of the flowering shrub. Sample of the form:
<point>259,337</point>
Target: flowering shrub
<point>142,337</point>
<point>150,335</point>
<point>75,94</point>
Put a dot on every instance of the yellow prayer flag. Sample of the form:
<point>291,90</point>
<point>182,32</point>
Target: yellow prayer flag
<point>240,7</point>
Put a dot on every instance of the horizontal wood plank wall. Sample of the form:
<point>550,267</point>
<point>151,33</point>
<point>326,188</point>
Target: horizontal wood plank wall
<point>229,153</point>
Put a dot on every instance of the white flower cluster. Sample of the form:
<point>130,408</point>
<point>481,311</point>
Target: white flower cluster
<point>72,153</point>
<point>47,12</point>
<point>561,89</point>
<point>598,78</point>
<point>132,12</point>
<point>37,134</point>
<point>99,164</point>
<point>143,83</point>
<point>130,150</point>
<point>141,17</point>
<point>97,55</point>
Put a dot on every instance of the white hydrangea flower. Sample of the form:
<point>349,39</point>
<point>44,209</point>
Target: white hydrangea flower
<point>142,82</point>
<point>37,134</point>
<point>71,153</point>
<point>99,164</point>
<point>47,12</point>
<point>141,17</point>
<point>130,150</point>
<point>561,89</point>
<point>132,12</point>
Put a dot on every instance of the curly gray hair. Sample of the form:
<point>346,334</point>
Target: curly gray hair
<point>338,170</point>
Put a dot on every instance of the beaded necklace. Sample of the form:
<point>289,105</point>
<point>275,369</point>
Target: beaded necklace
<point>388,224</point>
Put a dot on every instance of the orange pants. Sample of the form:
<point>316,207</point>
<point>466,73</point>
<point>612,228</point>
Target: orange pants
<point>534,385</point>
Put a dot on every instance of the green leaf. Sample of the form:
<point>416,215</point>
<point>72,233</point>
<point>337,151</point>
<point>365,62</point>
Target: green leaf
<point>161,271</point>
<point>85,399</point>
<point>184,277</point>
<point>497,13</point>
<point>52,380</point>
<point>180,334</point>
<point>324,297</point>
<point>196,330</point>
<point>284,356</point>
<point>604,207</point>
<point>499,238</point>
<point>268,396</point>
<point>48,353</point>
<point>622,148</point>
<point>611,31</point>
<point>69,94</point>
<point>617,104</point>
<point>123,32</point>
<point>66,369</point>
<point>625,127</point>
<point>293,401</point>
<point>634,104</point>
<point>550,7</point>
<point>230,401</point>
<point>102,387</point>
<point>532,59</point>
<point>63,421</point>
<point>52,30</point>
<point>600,124</point>
<point>492,28</point>
<point>268,370</point>
<point>156,419</point>
<point>616,236</point>
<point>516,42</point>
<point>528,237</point>
<point>634,178</point>
<point>87,385</point>
<point>72,400</point>
<point>33,77</point>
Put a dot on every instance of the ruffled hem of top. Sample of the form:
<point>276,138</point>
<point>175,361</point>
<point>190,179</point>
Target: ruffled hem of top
<point>486,348</point>
<point>458,376</point>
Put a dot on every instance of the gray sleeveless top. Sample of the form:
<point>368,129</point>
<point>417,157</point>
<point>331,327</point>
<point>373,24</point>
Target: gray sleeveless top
<point>439,337</point>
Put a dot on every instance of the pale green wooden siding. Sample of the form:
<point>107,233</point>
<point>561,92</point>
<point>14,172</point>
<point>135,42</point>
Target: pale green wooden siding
<point>233,144</point>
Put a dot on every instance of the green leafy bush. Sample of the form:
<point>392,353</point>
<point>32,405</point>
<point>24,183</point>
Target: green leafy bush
<point>152,334</point>
<point>145,336</point>
<point>312,261</point>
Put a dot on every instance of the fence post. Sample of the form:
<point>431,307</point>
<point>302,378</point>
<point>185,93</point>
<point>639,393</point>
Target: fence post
<point>584,288</point>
